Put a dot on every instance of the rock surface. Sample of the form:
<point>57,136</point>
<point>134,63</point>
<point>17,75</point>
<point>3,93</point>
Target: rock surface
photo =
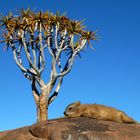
<point>80,128</point>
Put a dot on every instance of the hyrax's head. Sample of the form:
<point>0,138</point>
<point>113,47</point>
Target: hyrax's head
<point>72,110</point>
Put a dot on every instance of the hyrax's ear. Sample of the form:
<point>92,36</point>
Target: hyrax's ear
<point>77,103</point>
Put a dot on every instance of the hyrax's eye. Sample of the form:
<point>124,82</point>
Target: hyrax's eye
<point>70,108</point>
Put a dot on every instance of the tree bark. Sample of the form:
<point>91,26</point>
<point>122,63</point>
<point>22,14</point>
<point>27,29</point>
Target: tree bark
<point>42,110</point>
<point>42,107</point>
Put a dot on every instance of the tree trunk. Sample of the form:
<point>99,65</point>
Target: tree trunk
<point>42,107</point>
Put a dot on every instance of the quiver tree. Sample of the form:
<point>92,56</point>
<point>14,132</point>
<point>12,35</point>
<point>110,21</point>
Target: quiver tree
<point>35,36</point>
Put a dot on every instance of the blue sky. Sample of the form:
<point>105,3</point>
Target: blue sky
<point>110,75</point>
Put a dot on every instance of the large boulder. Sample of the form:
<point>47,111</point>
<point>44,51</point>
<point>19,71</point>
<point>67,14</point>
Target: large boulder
<point>79,128</point>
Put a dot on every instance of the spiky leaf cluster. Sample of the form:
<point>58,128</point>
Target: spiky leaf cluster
<point>29,24</point>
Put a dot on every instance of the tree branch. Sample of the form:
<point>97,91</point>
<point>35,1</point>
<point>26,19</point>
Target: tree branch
<point>28,54</point>
<point>35,91</point>
<point>18,61</point>
<point>63,39</point>
<point>70,61</point>
<point>33,48</point>
<point>68,66</point>
<point>56,56</point>
<point>55,94</point>
<point>49,42</point>
<point>41,50</point>
<point>81,46</point>
<point>56,37</point>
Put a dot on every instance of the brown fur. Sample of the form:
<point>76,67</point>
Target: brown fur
<point>97,111</point>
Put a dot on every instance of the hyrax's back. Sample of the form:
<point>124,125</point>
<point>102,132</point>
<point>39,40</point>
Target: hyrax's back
<point>109,113</point>
<point>104,112</point>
